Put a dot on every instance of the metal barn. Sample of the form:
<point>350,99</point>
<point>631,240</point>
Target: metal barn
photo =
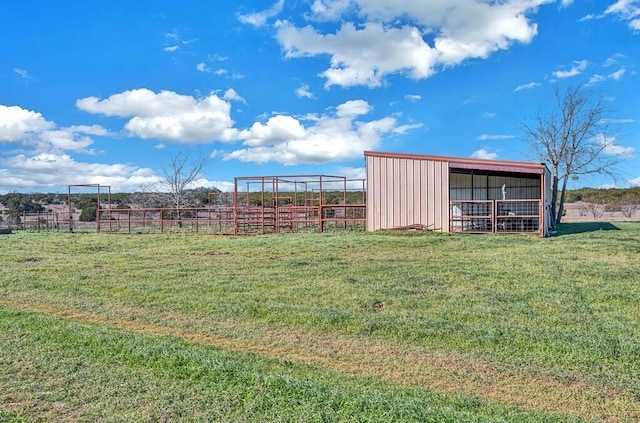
<point>451,194</point>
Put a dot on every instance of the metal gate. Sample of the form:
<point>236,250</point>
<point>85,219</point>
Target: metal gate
<point>496,216</point>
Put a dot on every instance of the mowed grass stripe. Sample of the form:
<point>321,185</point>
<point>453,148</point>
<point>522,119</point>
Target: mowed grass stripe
<point>446,373</point>
<point>57,369</point>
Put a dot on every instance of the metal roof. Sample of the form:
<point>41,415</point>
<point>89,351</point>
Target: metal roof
<point>469,163</point>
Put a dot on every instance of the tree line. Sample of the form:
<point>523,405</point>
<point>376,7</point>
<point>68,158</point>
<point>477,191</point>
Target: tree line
<point>613,199</point>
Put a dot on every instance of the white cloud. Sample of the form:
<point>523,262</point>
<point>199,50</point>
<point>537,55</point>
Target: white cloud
<point>402,129</point>
<point>224,186</point>
<point>611,148</point>
<point>576,69</point>
<point>356,178</point>
<point>278,130</point>
<point>615,121</point>
<point>353,172</point>
<point>485,137</point>
<point>617,150</point>
<point>303,92</point>
<point>353,108</point>
<point>626,10</point>
<point>202,67</point>
<point>527,86</point>
<point>174,41</point>
<point>22,73</point>
<point>362,56</point>
<point>48,163</point>
<point>167,115</point>
<point>45,162</point>
<point>489,115</point>
<point>414,98</point>
<point>337,136</point>
<point>618,74</point>
<point>589,17</point>
<point>32,130</point>
<point>260,18</point>
<point>613,60</point>
<point>595,79</point>
<point>378,38</point>
<point>54,170</point>
<point>607,186</point>
<point>17,124</point>
<point>484,154</point>
<point>64,140</point>
<point>44,171</point>
<point>88,129</point>
<point>328,10</point>
<point>635,182</point>
<point>232,95</point>
<point>470,100</point>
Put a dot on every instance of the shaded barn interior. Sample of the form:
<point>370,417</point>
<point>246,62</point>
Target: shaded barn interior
<point>481,200</point>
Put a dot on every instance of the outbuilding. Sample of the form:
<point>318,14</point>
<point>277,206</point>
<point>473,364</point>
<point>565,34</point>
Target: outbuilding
<point>451,194</point>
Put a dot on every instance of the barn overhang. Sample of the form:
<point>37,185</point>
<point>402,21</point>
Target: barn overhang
<point>511,166</point>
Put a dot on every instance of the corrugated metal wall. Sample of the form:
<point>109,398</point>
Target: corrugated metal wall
<point>407,191</point>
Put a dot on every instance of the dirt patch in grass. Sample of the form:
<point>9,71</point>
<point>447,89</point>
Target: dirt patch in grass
<point>28,260</point>
<point>447,373</point>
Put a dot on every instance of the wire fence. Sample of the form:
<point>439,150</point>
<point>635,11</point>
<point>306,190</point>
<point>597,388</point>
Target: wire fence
<point>496,216</point>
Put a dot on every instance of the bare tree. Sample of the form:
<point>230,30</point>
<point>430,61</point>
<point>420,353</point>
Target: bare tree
<point>628,206</point>
<point>596,210</point>
<point>177,173</point>
<point>147,197</point>
<point>572,139</point>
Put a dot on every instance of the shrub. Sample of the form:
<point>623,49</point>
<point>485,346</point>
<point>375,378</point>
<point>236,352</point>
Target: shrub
<point>88,214</point>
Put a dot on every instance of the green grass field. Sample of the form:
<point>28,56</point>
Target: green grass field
<point>341,326</point>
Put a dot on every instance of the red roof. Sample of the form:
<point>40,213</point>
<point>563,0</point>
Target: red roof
<point>469,163</point>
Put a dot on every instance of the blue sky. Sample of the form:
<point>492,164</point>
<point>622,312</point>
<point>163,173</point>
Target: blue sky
<point>107,91</point>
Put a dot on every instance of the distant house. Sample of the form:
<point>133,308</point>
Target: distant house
<point>451,194</point>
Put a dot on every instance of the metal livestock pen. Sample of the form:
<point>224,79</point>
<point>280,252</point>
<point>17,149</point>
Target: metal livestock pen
<point>258,205</point>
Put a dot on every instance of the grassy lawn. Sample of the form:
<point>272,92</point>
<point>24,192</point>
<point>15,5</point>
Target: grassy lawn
<point>342,326</point>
